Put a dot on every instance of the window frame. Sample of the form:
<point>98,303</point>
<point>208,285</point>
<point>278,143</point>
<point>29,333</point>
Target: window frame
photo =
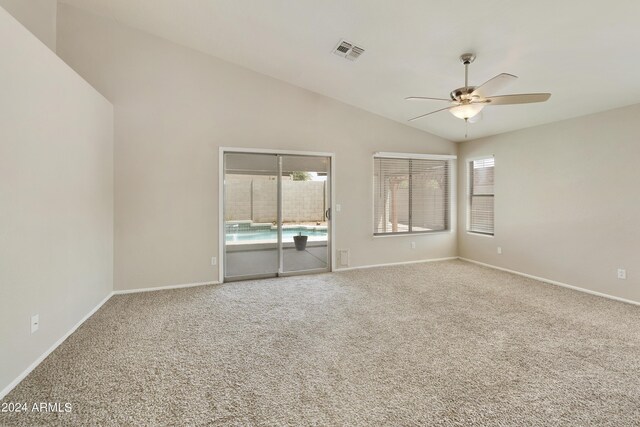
<point>451,193</point>
<point>470,195</point>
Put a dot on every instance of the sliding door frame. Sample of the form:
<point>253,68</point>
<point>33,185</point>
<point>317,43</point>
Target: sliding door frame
<point>221,231</point>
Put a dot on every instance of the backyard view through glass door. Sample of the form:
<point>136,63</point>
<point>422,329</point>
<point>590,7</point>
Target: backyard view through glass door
<point>276,215</point>
<point>251,215</point>
<point>305,208</point>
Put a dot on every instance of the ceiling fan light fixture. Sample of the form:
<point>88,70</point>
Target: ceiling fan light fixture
<point>466,111</point>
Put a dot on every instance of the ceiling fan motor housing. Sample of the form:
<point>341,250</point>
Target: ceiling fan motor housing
<point>462,93</point>
<point>467,58</point>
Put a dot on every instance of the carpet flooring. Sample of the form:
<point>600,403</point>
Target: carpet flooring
<point>439,344</point>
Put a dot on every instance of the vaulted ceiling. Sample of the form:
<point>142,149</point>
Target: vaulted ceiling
<point>587,54</point>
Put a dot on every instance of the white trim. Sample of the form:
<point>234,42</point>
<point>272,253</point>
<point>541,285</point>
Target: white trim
<point>270,151</point>
<point>476,233</point>
<point>395,263</point>
<point>44,355</point>
<point>487,156</point>
<point>39,360</point>
<point>164,288</point>
<point>279,220</point>
<point>332,220</point>
<point>415,233</point>
<point>453,196</point>
<point>221,235</point>
<point>553,282</point>
<point>390,155</point>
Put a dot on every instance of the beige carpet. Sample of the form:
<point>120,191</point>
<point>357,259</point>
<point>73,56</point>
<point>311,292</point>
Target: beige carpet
<point>441,344</point>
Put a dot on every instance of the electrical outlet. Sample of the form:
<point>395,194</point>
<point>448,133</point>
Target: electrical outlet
<point>35,322</point>
<point>214,260</point>
<point>338,207</point>
<point>622,273</point>
<point>499,250</point>
<point>413,245</point>
<point>343,257</point>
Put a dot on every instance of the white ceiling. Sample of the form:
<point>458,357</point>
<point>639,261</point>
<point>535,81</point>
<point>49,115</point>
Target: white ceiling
<point>587,54</point>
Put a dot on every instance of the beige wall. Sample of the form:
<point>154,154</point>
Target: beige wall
<point>174,107</point>
<point>566,204</point>
<point>56,198</point>
<point>38,16</point>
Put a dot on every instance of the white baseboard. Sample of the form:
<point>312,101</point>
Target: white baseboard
<point>164,288</point>
<point>553,282</point>
<point>44,355</point>
<point>337,270</point>
<point>31,367</point>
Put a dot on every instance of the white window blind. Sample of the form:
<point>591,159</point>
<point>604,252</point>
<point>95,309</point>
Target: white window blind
<point>481,196</point>
<point>411,195</point>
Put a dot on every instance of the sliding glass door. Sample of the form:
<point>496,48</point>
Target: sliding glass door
<point>276,215</point>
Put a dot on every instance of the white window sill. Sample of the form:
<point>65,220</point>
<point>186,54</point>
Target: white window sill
<point>473,233</point>
<point>412,234</point>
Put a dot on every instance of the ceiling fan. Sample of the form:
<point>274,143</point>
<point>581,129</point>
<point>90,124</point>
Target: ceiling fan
<point>468,101</point>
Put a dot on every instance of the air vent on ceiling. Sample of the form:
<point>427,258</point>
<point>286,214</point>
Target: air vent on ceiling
<point>348,50</point>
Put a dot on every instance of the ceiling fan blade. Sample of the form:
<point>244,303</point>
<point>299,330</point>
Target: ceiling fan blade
<point>521,98</point>
<point>410,98</point>
<point>493,85</point>
<point>433,112</point>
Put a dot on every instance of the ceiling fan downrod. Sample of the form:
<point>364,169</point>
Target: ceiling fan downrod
<point>466,59</point>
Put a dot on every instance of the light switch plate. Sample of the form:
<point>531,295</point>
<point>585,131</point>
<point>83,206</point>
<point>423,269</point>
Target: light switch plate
<point>35,322</point>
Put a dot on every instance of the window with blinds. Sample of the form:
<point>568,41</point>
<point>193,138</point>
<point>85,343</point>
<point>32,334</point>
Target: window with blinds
<point>411,195</point>
<point>481,195</point>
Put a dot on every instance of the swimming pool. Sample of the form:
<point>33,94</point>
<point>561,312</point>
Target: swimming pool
<point>268,234</point>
